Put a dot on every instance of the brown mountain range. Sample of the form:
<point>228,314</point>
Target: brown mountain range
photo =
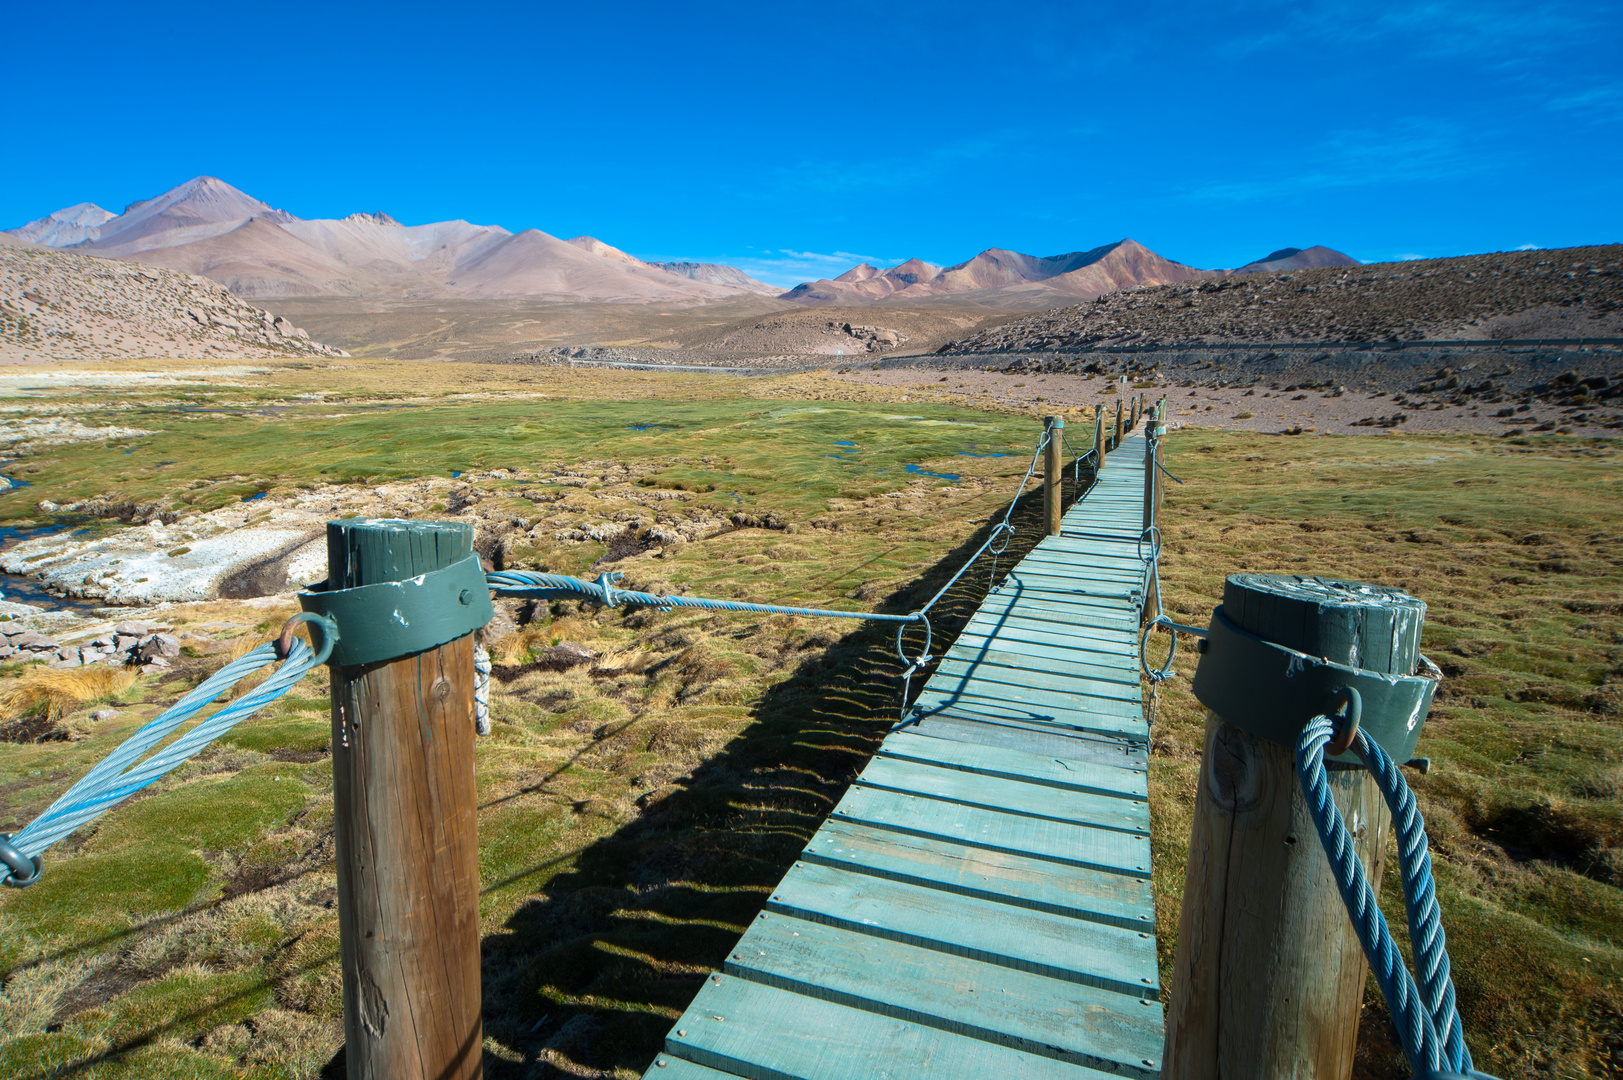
<point>207,227</point>
<point>1009,279</point>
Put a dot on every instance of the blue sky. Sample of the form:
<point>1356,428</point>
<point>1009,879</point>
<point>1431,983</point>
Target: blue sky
<point>797,140</point>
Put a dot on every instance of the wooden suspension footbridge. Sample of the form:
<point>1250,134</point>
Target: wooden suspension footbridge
<point>979,902</point>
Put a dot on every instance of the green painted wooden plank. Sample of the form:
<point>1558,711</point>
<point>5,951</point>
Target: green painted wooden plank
<point>1038,838</point>
<point>1121,721</point>
<point>1074,1023</point>
<point>763,1033</point>
<point>670,1067</point>
<point>1077,531</point>
<point>1071,891</point>
<point>1048,645</point>
<point>1069,773</point>
<point>1088,589</point>
<point>1081,574</point>
<point>1117,812</point>
<point>1110,603</point>
<point>958,677</point>
<point>1084,624</point>
<point>1066,674</point>
<point>1118,555</point>
<point>1085,635</point>
<point>1119,558</point>
<point>1115,613</point>
<point>1032,739</point>
<point>1070,568</point>
<point>1102,594</point>
<point>998,611</point>
<point>986,931</point>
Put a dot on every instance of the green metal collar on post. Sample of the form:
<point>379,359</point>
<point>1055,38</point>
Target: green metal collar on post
<point>1272,690</point>
<point>397,618</point>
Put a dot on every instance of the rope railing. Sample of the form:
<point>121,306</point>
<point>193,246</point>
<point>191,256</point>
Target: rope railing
<point>141,760</point>
<point>1424,1012</point>
<point>124,772</point>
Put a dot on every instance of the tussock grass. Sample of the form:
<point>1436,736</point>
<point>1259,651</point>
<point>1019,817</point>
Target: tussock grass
<point>636,811</point>
<point>51,693</point>
<point>1517,548</point>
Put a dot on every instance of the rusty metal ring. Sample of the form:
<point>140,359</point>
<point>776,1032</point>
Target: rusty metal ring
<point>1346,708</point>
<point>329,636</point>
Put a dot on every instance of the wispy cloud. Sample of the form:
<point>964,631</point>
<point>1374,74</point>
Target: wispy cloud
<point>784,266</point>
<point>1413,149</point>
<point>1603,102</point>
<point>789,268</point>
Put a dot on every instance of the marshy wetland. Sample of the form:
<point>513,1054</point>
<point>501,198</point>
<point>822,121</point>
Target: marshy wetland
<point>640,795</point>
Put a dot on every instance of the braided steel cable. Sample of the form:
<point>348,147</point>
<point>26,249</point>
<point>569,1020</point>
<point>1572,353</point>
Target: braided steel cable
<point>1416,1028</point>
<point>128,769</point>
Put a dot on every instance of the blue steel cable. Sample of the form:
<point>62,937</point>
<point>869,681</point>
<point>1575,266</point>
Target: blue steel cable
<point>1420,903</point>
<point>536,585</point>
<point>1416,1029</point>
<point>124,772</point>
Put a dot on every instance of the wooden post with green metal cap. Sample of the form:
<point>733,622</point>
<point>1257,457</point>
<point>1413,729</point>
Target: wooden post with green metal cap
<point>1269,974</point>
<point>1053,473</point>
<point>403,785</point>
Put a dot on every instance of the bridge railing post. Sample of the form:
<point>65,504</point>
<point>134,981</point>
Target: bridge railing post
<point>1053,473</point>
<point>1152,477</point>
<point>1162,412</point>
<point>1098,439</point>
<point>1269,974</point>
<point>1115,442</point>
<point>405,806</point>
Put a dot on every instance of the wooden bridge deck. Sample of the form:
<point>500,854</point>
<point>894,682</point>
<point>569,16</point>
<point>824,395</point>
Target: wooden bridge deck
<point>979,904</point>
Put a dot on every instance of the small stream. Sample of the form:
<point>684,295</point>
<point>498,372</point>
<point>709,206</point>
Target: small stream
<point>24,590</point>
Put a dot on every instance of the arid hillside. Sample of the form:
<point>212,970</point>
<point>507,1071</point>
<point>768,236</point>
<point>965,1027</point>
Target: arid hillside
<point>59,306</point>
<point>1567,293</point>
<point>205,226</point>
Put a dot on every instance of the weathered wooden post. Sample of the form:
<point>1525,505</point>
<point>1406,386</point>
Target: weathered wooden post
<point>406,596</point>
<point>1053,473</point>
<point>1269,974</point>
<point>1119,430</point>
<point>1098,438</point>
<point>1162,412</point>
<point>1152,479</point>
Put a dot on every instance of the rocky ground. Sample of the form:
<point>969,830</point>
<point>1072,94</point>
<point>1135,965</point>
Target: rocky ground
<point>1566,292</point>
<point>1565,404</point>
<point>790,340</point>
<point>60,306</point>
<point>276,544</point>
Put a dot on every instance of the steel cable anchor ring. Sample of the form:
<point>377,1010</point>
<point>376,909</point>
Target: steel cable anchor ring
<point>329,636</point>
<point>1153,533</point>
<point>24,870</point>
<point>1008,535</point>
<point>1164,672</point>
<point>1345,708</point>
<point>924,653</point>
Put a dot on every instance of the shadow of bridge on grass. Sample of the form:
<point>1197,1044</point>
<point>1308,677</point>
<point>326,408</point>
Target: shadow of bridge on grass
<point>589,974</point>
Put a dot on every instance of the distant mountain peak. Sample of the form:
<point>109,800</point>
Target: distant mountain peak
<point>1296,259</point>
<point>70,225</point>
<point>603,251</point>
<point>718,274</point>
<point>376,217</point>
<point>859,272</point>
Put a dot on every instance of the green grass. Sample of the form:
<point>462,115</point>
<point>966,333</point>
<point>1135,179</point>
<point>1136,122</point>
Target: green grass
<point>738,451</point>
<point>1517,548</point>
<point>633,821</point>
